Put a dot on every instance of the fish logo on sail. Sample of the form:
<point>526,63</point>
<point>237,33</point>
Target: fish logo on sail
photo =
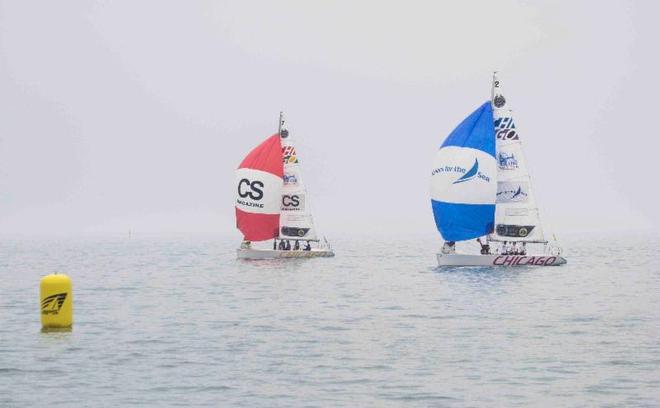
<point>507,162</point>
<point>470,174</point>
<point>511,192</point>
<point>52,304</point>
<point>289,155</point>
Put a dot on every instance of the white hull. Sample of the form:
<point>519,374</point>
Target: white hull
<point>499,260</point>
<point>279,254</point>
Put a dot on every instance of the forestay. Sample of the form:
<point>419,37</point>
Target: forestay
<point>517,215</point>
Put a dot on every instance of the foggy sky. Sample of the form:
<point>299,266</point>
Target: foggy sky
<point>134,114</point>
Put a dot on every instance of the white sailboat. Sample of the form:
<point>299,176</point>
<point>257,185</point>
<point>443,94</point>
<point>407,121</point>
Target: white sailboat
<point>272,202</point>
<point>481,189</point>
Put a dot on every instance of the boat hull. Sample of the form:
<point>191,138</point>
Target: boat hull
<point>279,254</point>
<point>499,260</point>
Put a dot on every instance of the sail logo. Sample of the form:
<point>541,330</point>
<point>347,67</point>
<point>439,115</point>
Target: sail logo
<point>293,202</point>
<point>294,231</point>
<point>511,192</point>
<point>499,101</point>
<point>514,231</point>
<point>52,304</point>
<point>254,190</point>
<point>464,174</point>
<point>507,162</point>
<point>290,179</point>
<point>505,129</point>
<point>289,155</point>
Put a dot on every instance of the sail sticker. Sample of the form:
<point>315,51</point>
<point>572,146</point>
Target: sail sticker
<point>289,155</point>
<point>294,231</point>
<point>514,231</point>
<point>499,101</point>
<point>293,202</point>
<point>290,179</point>
<point>505,161</point>
<point>508,192</point>
<point>505,122</point>
<point>507,134</point>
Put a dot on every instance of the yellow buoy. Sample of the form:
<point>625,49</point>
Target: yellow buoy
<point>56,296</point>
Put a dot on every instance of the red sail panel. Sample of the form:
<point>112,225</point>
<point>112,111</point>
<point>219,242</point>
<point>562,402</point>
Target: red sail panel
<point>259,190</point>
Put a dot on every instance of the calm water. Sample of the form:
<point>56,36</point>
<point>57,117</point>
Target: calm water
<point>163,322</point>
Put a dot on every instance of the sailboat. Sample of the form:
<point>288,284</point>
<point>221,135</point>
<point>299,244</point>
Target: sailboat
<point>481,190</point>
<point>272,202</point>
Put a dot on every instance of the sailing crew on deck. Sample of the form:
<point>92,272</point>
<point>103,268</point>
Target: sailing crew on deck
<point>308,247</point>
<point>296,246</point>
<point>485,248</point>
<point>275,244</point>
<point>287,245</point>
<point>282,245</point>
<point>449,247</point>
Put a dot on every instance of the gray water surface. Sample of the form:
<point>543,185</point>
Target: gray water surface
<point>181,322</point>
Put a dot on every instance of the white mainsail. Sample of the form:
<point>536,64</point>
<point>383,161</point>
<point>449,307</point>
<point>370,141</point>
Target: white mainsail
<point>516,213</point>
<point>295,214</point>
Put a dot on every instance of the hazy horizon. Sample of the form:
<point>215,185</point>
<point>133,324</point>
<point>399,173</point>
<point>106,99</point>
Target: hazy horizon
<point>118,116</point>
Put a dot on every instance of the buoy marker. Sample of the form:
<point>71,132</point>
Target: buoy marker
<point>56,299</point>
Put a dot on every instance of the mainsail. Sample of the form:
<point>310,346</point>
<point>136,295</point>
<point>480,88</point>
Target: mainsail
<point>296,217</point>
<point>516,216</point>
<point>259,189</point>
<point>463,180</point>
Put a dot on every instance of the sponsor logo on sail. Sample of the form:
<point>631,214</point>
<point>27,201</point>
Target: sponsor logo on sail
<point>499,101</point>
<point>252,190</point>
<point>511,192</point>
<point>514,231</point>
<point>289,155</point>
<point>290,179</point>
<point>52,304</point>
<point>507,161</point>
<point>294,231</point>
<point>464,173</point>
<point>505,129</point>
<point>293,202</point>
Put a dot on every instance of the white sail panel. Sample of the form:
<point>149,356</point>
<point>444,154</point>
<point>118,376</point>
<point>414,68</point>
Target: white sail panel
<point>516,214</point>
<point>296,220</point>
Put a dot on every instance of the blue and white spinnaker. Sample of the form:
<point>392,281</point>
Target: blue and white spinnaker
<point>464,179</point>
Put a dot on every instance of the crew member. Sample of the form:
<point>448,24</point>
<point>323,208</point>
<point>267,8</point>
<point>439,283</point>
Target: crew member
<point>449,247</point>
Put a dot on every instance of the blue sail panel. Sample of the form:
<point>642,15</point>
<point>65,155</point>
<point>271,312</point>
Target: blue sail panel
<point>476,131</point>
<point>460,222</point>
<point>464,179</point>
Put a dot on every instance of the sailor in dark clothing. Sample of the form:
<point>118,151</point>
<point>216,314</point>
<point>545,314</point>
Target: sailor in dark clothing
<point>308,247</point>
<point>296,246</point>
<point>275,244</point>
<point>485,248</point>
<point>287,245</point>
<point>282,245</point>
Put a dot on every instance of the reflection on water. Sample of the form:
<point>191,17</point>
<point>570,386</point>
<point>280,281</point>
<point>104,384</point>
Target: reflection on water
<point>160,322</point>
